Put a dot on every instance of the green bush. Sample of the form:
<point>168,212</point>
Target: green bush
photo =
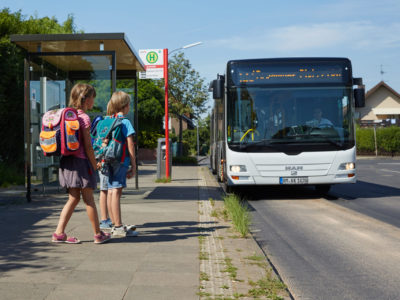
<point>388,139</point>
<point>365,140</point>
<point>148,139</point>
<point>11,175</point>
<point>184,160</point>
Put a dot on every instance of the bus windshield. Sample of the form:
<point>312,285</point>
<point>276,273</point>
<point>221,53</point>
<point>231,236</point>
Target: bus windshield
<point>268,119</point>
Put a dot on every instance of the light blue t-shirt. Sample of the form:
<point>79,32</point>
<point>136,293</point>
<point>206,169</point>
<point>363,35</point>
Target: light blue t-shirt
<point>127,130</point>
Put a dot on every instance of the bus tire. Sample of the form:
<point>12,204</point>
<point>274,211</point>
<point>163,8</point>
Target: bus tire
<point>229,189</point>
<point>322,189</point>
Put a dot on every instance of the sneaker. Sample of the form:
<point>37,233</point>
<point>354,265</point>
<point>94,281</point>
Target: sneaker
<point>105,225</point>
<point>130,227</point>
<point>102,237</point>
<point>124,230</point>
<point>118,231</point>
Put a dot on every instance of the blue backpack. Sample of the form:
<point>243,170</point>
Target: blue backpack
<point>109,142</point>
<point>93,127</point>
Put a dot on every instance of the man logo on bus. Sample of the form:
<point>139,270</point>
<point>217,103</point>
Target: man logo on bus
<point>293,168</point>
<point>152,57</point>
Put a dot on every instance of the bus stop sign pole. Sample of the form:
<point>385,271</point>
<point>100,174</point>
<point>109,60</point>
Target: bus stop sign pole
<point>166,114</point>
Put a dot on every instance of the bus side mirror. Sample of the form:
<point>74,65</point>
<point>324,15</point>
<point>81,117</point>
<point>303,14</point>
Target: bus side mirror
<point>218,87</point>
<point>359,97</point>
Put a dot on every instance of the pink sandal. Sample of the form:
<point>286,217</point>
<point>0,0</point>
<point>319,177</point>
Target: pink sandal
<point>63,238</point>
<point>102,237</point>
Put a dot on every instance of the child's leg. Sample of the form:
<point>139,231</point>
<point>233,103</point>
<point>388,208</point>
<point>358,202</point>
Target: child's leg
<point>104,212</point>
<point>103,205</point>
<point>69,207</point>
<point>116,205</point>
<point>109,207</point>
<point>91,210</point>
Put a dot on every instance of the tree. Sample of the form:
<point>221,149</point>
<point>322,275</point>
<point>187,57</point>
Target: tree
<point>150,106</point>
<point>188,92</point>
<point>12,79</point>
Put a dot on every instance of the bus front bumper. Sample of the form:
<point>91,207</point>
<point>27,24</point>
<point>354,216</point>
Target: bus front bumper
<point>306,180</point>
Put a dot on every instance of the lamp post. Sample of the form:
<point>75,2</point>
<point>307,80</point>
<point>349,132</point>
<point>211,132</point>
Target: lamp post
<point>185,47</point>
<point>166,54</point>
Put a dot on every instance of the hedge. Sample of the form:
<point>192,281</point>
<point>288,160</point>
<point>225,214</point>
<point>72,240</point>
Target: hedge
<point>387,138</point>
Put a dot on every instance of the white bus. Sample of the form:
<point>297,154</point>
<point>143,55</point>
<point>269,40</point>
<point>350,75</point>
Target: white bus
<point>285,121</point>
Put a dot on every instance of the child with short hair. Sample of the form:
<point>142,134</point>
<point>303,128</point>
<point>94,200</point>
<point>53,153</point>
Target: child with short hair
<point>118,106</point>
<point>77,172</point>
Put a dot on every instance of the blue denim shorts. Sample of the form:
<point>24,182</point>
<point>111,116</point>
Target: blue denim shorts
<point>117,177</point>
<point>103,181</point>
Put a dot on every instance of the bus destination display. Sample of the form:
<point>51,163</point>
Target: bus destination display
<point>253,74</point>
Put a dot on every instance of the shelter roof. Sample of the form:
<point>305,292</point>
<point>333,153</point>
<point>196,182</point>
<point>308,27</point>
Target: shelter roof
<point>127,58</point>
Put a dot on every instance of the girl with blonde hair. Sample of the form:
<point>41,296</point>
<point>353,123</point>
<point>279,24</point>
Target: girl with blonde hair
<point>77,172</point>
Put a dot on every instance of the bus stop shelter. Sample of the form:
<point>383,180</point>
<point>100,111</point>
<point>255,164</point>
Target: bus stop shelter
<point>53,64</point>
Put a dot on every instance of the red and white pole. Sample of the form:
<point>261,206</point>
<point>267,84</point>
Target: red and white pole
<point>166,114</point>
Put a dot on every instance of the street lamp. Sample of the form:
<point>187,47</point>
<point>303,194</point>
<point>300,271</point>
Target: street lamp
<point>187,46</point>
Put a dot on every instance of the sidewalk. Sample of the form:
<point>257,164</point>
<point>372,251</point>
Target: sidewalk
<point>163,262</point>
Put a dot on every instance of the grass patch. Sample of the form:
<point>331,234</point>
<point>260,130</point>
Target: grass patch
<point>212,201</point>
<point>203,294</point>
<point>203,255</point>
<point>163,180</point>
<point>201,239</point>
<point>267,286</point>
<point>225,287</point>
<point>230,268</point>
<point>239,214</point>
<point>214,213</point>
<point>204,276</point>
<point>255,257</point>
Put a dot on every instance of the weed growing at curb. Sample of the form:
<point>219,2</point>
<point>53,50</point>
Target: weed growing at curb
<point>239,214</point>
<point>163,180</point>
<point>267,286</point>
<point>255,257</point>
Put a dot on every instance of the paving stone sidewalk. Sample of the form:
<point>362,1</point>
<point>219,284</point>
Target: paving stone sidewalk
<point>163,262</point>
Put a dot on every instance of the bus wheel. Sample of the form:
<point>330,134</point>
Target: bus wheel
<point>211,165</point>
<point>229,189</point>
<point>322,189</point>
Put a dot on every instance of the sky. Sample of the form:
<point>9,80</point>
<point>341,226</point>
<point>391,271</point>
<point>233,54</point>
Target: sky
<point>365,31</point>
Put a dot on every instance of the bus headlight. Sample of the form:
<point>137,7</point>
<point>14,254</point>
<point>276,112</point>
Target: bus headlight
<point>238,168</point>
<point>347,166</point>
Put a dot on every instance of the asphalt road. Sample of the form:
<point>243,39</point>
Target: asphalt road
<point>343,246</point>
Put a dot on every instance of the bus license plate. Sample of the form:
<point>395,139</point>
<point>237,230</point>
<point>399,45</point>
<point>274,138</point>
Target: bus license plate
<point>293,180</point>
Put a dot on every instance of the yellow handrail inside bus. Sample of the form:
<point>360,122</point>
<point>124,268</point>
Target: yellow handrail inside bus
<point>252,134</point>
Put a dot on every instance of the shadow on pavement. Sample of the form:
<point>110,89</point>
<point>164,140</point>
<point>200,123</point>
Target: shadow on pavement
<point>174,193</point>
<point>168,232</point>
<point>363,189</point>
<point>22,246</point>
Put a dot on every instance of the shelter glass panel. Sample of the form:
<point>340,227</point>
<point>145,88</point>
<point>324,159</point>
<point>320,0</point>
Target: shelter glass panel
<point>51,78</point>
